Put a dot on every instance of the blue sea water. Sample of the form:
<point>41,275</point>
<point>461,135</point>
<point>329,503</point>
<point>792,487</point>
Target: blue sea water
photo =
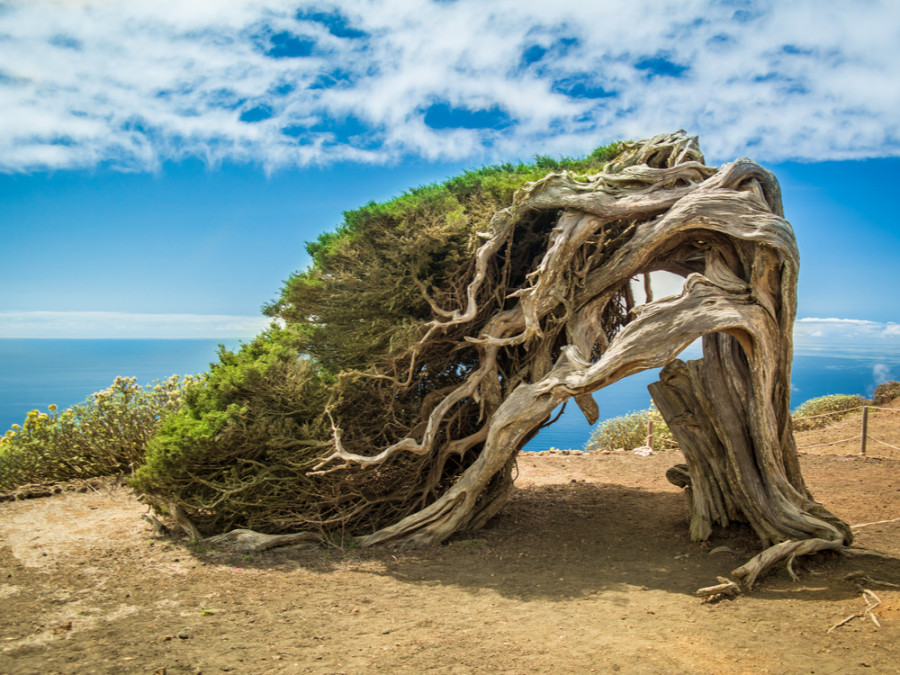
<point>36,373</point>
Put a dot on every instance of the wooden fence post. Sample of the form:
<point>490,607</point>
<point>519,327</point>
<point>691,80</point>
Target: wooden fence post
<point>649,442</point>
<point>865,431</point>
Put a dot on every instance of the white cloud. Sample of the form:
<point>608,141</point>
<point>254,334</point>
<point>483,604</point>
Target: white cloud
<point>136,82</point>
<point>849,336</point>
<point>662,284</point>
<point>881,372</point>
<point>844,322</point>
<point>127,325</point>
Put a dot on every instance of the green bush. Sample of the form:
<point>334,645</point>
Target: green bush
<point>805,415</point>
<point>245,437</point>
<point>628,432</point>
<point>105,435</point>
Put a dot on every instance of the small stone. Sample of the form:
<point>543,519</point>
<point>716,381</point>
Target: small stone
<point>63,627</point>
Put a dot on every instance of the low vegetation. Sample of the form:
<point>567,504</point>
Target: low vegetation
<point>628,432</point>
<point>886,392</point>
<point>107,434</point>
<point>825,410</point>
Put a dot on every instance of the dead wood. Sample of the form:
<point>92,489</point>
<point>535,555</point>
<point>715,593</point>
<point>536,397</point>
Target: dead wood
<point>872,601</point>
<point>726,588</point>
<point>247,541</point>
<point>785,551</point>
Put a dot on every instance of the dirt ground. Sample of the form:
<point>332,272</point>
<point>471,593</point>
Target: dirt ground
<point>588,569</point>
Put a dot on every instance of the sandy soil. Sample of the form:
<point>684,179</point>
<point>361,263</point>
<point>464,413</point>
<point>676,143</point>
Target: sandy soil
<point>587,569</point>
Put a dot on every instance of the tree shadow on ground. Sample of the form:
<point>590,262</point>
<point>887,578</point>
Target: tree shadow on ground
<point>576,539</point>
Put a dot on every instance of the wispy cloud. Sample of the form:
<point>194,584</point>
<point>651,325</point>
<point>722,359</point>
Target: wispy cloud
<point>137,82</point>
<point>862,323</point>
<point>849,336</point>
<point>127,325</point>
<point>881,373</point>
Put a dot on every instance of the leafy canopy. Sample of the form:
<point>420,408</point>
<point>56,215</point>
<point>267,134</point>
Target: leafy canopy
<point>240,451</point>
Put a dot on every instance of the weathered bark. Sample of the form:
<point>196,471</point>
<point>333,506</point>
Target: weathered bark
<point>739,451</point>
<point>730,411</point>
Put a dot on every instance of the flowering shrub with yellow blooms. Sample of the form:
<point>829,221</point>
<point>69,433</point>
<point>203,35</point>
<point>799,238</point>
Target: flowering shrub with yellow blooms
<point>104,435</point>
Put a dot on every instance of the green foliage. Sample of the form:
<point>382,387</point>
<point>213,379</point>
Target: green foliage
<point>259,408</point>
<point>105,435</point>
<point>628,432</point>
<point>804,416</point>
<point>360,299</point>
<point>886,392</point>
<point>240,451</point>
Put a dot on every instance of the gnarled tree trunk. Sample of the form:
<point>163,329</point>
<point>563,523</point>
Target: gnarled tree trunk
<point>725,232</point>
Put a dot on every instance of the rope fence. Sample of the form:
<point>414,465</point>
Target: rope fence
<point>863,437</point>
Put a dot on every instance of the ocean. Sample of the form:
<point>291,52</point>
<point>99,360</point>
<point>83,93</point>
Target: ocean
<point>36,373</point>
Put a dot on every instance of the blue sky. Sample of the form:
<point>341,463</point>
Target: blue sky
<point>163,162</point>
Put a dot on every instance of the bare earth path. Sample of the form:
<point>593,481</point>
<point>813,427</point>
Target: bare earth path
<point>588,569</point>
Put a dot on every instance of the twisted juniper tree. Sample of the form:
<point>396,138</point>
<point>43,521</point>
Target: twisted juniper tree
<point>419,355</point>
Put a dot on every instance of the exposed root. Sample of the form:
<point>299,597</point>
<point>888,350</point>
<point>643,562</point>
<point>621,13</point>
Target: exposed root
<point>861,579</point>
<point>877,522</point>
<point>160,529</point>
<point>750,571</point>
<point>185,523</point>
<point>855,551</point>
<point>248,541</point>
<point>788,551</point>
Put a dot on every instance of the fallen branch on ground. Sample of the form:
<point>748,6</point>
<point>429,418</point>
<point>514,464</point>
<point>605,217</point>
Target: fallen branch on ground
<point>724,589</point>
<point>866,613</point>
<point>248,541</point>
